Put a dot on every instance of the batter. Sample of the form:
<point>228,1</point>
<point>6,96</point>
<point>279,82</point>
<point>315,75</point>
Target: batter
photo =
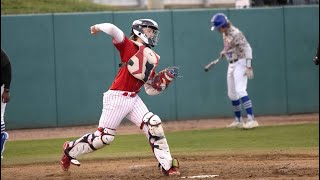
<point>238,52</point>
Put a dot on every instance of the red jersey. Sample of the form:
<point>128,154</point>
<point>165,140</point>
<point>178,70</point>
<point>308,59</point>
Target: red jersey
<point>124,80</point>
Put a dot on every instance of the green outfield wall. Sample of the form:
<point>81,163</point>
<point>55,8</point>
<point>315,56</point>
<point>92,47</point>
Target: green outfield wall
<point>60,71</point>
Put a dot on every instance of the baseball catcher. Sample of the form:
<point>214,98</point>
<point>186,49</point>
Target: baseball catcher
<point>137,69</point>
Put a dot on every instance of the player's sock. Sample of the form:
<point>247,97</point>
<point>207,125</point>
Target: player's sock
<point>237,109</point>
<point>3,127</point>
<point>246,102</point>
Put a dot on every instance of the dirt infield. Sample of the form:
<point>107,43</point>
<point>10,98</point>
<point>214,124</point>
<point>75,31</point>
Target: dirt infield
<point>169,126</point>
<point>302,164</point>
<point>275,165</point>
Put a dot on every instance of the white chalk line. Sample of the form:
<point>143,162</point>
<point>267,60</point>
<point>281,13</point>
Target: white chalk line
<point>138,166</point>
<point>199,176</point>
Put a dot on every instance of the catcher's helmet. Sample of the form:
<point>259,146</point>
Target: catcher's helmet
<point>137,29</point>
<point>219,20</point>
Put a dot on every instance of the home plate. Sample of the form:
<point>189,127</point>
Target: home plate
<point>199,176</point>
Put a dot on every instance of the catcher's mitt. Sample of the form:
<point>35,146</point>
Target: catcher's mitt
<point>165,77</point>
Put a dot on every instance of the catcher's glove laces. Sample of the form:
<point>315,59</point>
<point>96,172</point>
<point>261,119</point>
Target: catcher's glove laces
<point>174,71</point>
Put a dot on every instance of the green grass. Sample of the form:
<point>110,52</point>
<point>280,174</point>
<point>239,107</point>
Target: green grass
<point>50,6</point>
<point>269,138</point>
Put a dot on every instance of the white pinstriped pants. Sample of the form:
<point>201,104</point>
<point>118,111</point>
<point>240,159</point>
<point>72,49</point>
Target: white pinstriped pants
<point>116,107</point>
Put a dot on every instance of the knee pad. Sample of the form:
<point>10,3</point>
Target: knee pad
<point>91,142</point>
<point>154,124</point>
<point>105,137</point>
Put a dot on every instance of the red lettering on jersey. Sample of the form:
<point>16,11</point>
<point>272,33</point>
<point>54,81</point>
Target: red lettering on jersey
<point>140,57</point>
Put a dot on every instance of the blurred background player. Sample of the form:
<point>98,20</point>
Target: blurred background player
<point>238,52</point>
<point>5,94</point>
<point>122,99</point>
<point>316,58</point>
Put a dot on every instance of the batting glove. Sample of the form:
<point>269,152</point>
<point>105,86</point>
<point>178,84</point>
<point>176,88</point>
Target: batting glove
<point>249,72</point>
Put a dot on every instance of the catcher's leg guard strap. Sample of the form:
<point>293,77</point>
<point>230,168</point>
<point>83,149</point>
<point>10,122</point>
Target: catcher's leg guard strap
<point>91,142</point>
<point>157,139</point>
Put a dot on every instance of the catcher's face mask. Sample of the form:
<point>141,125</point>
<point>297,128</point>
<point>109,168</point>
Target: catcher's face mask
<point>147,30</point>
<point>153,35</point>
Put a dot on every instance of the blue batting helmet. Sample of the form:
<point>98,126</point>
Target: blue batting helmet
<point>218,20</point>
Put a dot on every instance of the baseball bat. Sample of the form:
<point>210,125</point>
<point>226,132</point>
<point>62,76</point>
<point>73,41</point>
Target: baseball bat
<point>212,64</point>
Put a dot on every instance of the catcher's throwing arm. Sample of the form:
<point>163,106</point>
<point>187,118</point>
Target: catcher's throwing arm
<point>212,64</point>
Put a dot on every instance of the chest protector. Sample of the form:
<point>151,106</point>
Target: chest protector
<point>142,64</point>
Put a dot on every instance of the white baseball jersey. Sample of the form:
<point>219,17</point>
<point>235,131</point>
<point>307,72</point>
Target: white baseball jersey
<point>237,51</point>
<point>236,45</point>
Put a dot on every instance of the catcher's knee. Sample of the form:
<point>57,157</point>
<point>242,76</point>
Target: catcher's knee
<point>153,123</point>
<point>155,131</point>
<point>103,137</point>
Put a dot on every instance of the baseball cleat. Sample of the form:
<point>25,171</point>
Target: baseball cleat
<point>251,124</point>
<point>65,159</point>
<point>173,171</point>
<point>236,124</point>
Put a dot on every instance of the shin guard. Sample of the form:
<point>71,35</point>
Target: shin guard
<point>157,139</point>
<point>91,142</point>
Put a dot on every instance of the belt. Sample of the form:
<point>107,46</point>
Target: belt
<point>131,94</point>
<point>233,61</point>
